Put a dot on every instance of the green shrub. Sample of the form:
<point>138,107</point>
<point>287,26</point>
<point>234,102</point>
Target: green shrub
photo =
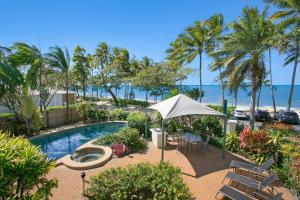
<point>130,137</point>
<point>84,108</point>
<point>137,120</point>
<point>23,166</point>
<point>216,141</point>
<point>171,126</point>
<point>232,142</point>
<point>126,102</point>
<point>51,108</point>
<point>213,125</point>
<point>6,115</point>
<point>102,115</point>
<point>230,109</point>
<point>118,114</point>
<point>141,181</point>
<point>199,126</point>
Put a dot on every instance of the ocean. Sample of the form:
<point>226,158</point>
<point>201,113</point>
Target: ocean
<point>212,95</point>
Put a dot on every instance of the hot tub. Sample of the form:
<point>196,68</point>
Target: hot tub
<point>87,156</point>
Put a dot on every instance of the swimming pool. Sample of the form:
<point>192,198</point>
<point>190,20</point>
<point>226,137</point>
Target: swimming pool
<point>66,142</point>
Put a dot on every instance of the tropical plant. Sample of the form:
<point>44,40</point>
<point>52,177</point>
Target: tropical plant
<point>59,59</point>
<point>130,137</point>
<point>30,114</point>
<point>243,49</point>
<point>141,181</point>
<point>137,120</point>
<point>289,16</point>
<point>215,26</point>
<point>23,169</point>
<point>188,46</point>
<point>232,142</point>
<point>31,58</point>
<point>118,114</point>
<point>81,69</point>
<point>11,82</point>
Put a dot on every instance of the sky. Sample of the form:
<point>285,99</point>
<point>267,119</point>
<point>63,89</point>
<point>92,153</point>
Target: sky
<point>144,27</point>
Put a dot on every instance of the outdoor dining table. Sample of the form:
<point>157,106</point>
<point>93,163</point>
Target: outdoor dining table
<point>191,138</point>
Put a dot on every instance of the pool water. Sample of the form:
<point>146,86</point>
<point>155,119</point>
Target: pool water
<point>66,142</point>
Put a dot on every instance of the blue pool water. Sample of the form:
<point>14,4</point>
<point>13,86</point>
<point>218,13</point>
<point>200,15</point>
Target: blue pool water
<point>66,142</point>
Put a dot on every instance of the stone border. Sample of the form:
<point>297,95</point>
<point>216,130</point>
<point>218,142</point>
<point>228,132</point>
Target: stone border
<point>68,162</point>
<point>68,127</point>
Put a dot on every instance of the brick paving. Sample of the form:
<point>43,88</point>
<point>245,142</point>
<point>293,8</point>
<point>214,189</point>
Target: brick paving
<point>202,171</point>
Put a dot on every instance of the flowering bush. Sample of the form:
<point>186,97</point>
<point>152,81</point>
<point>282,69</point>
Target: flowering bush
<point>258,143</point>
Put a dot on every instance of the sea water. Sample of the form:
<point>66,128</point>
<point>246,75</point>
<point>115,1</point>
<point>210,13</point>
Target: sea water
<point>212,94</point>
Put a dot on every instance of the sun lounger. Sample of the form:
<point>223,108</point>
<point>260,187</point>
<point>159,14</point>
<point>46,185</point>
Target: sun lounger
<point>249,182</point>
<point>251,167</point>
<point>237,195</point>
<point>232,193</point>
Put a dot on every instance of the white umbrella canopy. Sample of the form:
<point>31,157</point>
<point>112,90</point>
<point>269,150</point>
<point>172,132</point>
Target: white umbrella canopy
<point>181,105</point>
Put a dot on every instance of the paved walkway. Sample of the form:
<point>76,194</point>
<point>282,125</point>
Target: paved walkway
<point>202,171</point>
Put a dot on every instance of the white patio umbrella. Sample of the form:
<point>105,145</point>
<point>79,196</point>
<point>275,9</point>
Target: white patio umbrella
<point>181,105</point>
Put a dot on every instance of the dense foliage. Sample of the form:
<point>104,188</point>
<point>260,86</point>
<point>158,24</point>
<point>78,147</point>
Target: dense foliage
<point>137,120</point>
<point>130,137</point>
<point>23,166</point>
<point>141,181</point>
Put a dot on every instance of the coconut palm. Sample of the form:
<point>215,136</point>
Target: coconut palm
<point>188,46</point>
<point>59,58</point>
<point>102,57</point>
<point>30,56</point>
<point>289,14</point>
<point>244,48</point>
<point>215,26</point>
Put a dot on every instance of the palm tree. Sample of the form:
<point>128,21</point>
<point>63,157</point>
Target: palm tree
<point>235,80</point>
<point>188,46</point>
<point>30,55</point>
<point>244,48</point>
<point>102,57</point>
<point>59,58</point>
<point>215,26</point>
<point>290,21</point>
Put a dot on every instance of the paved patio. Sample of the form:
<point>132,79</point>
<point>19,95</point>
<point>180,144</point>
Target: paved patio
<point>202,171</point>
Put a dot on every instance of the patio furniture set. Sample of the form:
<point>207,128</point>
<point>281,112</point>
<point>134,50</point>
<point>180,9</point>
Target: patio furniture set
<point>252,184</point>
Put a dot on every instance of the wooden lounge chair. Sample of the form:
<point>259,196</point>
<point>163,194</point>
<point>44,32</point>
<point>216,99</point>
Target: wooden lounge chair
<point>251,183</point>
<point>235,194</point>
<point>251,167</point>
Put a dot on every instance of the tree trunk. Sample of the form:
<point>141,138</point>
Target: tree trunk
<point>40,83</point>
<point>222,86</point>
<point>200,76</point>
<point>147,95</point>
<point>112,95</point>
<point>67,95</point>
<point>84,90</point>
<point>294,75</point>
<point>235,98</point>
<point>258,98</point>
<point>253,99</point>
<point>271,82</point>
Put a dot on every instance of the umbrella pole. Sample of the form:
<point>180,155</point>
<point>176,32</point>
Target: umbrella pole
<point>162,141</point>
<point>146,124</point>
<point>225,126</point>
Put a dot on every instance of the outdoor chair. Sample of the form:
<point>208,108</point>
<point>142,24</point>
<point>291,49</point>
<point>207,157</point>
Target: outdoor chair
<point>179,139</point>
<point>251,183</point>
<point>235,194</point>
<point>251,167</point>
<point>205,144</point>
